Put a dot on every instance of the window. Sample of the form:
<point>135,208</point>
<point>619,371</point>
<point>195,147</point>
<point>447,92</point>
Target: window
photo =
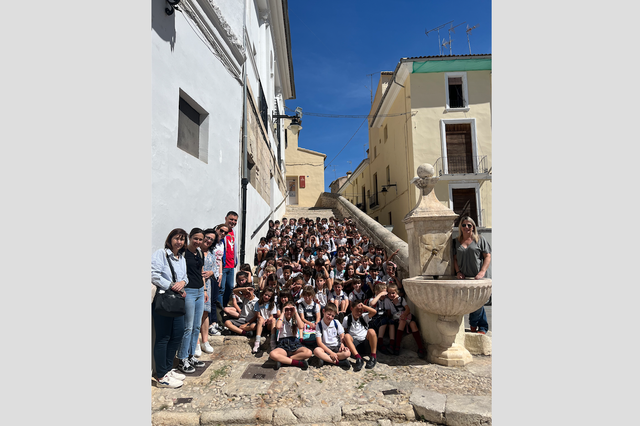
<point>375,151</point>
<point>465,201</point>
<point>375,187</point>
<point>386,134</point>
<point>388,176</point>
<point>390,220</point>
<point>456,91</point>
<point>193,127</point>
<point>459,146</point>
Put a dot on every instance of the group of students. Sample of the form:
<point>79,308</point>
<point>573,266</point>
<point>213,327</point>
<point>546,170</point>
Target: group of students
<point>321,290</point>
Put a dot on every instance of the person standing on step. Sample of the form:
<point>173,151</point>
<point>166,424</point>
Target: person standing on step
<point>229,260</point>
<point>193,303</point>
<point>471,259</point>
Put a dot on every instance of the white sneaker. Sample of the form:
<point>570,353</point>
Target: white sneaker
<point>198,351</point>
<point>213,330</point>
<point>206,347</point>
<point>175,375</point>
<point>169,382</point>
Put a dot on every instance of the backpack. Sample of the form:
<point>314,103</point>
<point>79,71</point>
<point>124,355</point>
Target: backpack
<point>350,321</point>
<point>335,324</point>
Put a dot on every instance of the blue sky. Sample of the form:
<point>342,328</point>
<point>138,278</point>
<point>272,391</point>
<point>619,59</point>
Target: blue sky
<point>337,44</point>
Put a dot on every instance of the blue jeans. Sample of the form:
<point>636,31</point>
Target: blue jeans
<point>169,332</point>
<point>227,278</point>
<point>479,319</point>
<point>194,306</point>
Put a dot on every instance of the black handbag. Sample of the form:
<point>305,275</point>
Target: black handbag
<point>169,303</point>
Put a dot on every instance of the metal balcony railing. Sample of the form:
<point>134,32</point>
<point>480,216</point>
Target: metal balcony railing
<point>461,164</point>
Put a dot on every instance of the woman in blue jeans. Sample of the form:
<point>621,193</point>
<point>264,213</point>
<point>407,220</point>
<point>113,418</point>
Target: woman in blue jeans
<point>169,272</point>
<point>194,303</point>
<point>472,256</point>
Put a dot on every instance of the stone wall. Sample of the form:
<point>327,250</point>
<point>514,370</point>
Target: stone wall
<point>372,229</point>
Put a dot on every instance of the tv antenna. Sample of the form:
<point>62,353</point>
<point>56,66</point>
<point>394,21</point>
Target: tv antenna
<point>438,29</point>
<point>452,30</point>
<point>469,32</point>
<point>371,88</point>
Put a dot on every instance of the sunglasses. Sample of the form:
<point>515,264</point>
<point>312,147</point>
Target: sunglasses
<point>467,225</point>
<point>223,232</point>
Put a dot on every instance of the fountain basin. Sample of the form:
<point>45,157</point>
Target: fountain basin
<point>441,304</point>
<point>447,296</point>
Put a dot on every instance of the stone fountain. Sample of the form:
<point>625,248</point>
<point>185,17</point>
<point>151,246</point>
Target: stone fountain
<point>441,299</point>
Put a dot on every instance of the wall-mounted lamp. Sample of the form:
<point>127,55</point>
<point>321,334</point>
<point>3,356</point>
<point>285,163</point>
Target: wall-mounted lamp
<point>385,190</point>
<point>173,4</point>
<point>296,120</point>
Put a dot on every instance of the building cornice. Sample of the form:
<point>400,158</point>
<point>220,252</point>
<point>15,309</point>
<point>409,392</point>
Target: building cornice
<point>282,41</point>
<point>217,33</point>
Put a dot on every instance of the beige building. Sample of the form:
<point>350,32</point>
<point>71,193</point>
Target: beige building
<point>304,171</point>
<point>434,110</point>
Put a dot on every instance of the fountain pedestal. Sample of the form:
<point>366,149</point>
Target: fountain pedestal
<point>440,298</point>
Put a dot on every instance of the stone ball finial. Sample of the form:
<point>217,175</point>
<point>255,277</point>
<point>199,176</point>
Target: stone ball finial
<point>426,170</point>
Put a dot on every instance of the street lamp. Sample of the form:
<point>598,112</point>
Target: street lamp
<point>385,190</point>
<point>296,120</point>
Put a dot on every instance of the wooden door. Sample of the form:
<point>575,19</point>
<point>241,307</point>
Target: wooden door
<point>459,151</point>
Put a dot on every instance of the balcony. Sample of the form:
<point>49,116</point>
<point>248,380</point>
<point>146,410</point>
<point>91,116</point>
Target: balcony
<point>461,167</point>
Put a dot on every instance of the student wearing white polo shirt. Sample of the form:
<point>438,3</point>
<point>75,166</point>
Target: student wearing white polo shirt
<point>359,338</point>
<point>329,338</point>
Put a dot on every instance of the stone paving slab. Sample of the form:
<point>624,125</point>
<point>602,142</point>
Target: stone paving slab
<point>326,395</point>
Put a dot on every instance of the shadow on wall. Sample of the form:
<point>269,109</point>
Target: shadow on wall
<point>164,25</point>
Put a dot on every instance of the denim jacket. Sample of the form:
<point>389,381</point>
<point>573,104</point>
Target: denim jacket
<point>160,271</point>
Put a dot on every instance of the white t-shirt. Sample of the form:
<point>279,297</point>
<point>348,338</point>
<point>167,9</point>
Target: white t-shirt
<point>329,333</point>
<point>264,310</point>
<point>248,307</point>
<point>322,296</point>
<point>308,312</point>
<point>397,308</point>
<point>334,296</point>
<point>357,296</point>
<point>287,329</point>
<point>357,330</point>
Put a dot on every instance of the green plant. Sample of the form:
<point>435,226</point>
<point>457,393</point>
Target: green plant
<point>220,372</point>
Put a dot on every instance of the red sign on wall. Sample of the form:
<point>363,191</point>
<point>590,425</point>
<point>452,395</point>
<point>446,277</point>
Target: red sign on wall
<point>301,181</point>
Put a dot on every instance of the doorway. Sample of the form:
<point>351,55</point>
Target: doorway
<point>292,191</point>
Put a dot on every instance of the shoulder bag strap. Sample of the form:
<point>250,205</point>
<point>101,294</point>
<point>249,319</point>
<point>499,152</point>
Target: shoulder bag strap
<point>173,273</point>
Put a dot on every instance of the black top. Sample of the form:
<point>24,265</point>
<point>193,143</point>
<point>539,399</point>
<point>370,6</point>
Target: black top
<point>195,262</point>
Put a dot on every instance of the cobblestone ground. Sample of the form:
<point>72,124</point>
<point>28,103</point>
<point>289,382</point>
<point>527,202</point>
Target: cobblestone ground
<point>220,386</point>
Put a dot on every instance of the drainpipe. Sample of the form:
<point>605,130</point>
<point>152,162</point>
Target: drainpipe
<point>245,177</point>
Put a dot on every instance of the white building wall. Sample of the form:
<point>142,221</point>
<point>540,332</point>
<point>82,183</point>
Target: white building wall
<point>186,191</point>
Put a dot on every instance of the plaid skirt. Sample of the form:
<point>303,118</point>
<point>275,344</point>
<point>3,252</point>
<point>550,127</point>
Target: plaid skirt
<point>289,344</point>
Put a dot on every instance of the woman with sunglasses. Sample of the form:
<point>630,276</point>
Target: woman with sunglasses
<point>211,283</point>
<point>471,259</point>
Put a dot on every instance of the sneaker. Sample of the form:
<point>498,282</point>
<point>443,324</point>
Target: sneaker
<point>344,364</point>
<point>474,329</point>
<point>371,363</point>
<point>482,332</point>
<point>359,365</point>
<point>305,364</point>
<point>169,382</point>
<point>256,347</point>
<point>196,362</point>
<point>198,352</point>
<point>175,375</point>
<point>396,351</point>
<point>278,365</point>
<point>320,363</point>
<point>213,330</point>
<point>249,334</point>
<point>185,366</point>
<point>206,347</point>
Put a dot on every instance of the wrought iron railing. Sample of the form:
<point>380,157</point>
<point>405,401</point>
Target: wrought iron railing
<point>461,164</point>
